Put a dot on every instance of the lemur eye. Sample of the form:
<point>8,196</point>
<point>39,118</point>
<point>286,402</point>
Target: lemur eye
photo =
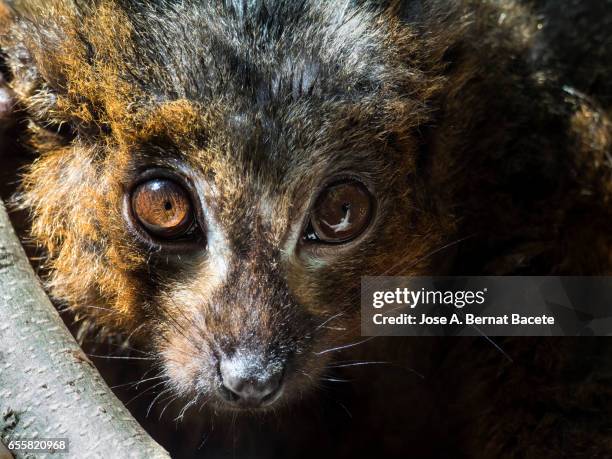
<point>341,213</point>
<point>163,208</point>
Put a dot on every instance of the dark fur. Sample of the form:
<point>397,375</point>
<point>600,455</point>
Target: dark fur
<point>485,152</point>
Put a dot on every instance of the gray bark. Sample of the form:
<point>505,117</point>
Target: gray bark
<point>48,387</point>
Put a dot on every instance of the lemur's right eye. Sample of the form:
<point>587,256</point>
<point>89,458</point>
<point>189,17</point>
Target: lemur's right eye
<point>163,208</point>
<point>341,213</point>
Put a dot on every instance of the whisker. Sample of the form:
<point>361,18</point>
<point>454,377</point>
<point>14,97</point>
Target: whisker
<point>137,329</point>
<point>330,319</point>
<point>126,347</point>
<point>172,399</point>
<point>497,346</point>
<point>204,440</point>
<point>345,409</point>
<point>490,340</point>
<point>346,346</point>
<point>185,408</point>
<point>119,357</point>
<point>144,392</point>
<point>135,384</point>
<point>102,309</point>
<point>391,364</point>
<point>179,327</point>
<point>203,404</point>
<point>339,380</point>
<point>359,364</point>
<point>307,375</point>
<point>400,265</point>
<point>165,391</point>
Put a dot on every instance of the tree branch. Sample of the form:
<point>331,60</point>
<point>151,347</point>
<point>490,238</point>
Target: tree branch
<point>48,387</point>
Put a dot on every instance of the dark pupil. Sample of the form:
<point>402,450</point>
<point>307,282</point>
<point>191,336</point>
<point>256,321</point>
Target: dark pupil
<point>342,212</point>
<point>162,207</point>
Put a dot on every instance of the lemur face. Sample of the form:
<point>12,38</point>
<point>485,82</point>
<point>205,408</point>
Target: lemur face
<point>209,185</point>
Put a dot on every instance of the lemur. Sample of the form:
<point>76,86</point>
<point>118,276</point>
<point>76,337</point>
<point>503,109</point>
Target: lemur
<point>212,180</point>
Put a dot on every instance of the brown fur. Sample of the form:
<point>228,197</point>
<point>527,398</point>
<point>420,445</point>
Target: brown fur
<point>480,161</point>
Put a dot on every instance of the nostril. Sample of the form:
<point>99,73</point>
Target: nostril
<point>228,394</point>
<point>256,387</point>
<point>271,395</point>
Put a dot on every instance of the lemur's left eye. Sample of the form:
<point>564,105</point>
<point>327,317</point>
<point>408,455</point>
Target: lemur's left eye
<point>163,208</point>
<point>341,213</point>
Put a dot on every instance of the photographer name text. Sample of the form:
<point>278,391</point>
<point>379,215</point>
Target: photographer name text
<point>459,299</point>
<point>466,319</point>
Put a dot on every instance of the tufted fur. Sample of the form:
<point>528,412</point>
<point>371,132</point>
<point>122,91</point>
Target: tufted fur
<point>456,115</point>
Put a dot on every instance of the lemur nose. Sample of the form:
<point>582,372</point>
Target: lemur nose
<point>249,386</point>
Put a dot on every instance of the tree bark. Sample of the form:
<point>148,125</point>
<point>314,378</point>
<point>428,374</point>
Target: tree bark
<point>48,387</point>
